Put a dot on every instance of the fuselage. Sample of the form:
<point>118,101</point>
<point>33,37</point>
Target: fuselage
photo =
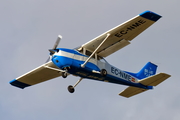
<point>71,58</point>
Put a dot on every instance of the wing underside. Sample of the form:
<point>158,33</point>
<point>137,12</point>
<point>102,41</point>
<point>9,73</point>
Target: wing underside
<point>121,35</point>
<point>38,75</point>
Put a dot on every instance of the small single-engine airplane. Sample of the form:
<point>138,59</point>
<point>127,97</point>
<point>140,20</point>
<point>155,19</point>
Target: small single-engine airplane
<point>87,61</point>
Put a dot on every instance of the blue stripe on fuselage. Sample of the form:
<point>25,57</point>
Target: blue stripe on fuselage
<point>84,73</point>
<point>113,79</point>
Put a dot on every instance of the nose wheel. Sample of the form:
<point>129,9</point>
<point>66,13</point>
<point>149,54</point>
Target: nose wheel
<point>71,88</point>
<point>64,74</point>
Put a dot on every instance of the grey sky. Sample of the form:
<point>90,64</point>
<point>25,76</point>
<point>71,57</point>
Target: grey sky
<point>30,27</point>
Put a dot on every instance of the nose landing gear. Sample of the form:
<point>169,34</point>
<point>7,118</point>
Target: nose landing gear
<point>64,74</point>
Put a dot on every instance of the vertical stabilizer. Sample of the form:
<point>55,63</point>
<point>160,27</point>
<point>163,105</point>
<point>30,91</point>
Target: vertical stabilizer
<point>148,70</point>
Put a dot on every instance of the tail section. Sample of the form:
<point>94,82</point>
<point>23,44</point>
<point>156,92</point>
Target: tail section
<point>155,79</point>
<point>148,78</point>
<point>148,70</point>
<point>150,81</point>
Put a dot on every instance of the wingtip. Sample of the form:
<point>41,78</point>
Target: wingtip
<point>150,15</point>
<point>18,84</point>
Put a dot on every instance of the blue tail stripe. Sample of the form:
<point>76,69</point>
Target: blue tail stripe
<point>148,70</point>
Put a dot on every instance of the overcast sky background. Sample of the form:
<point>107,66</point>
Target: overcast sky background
<point>28,28</point>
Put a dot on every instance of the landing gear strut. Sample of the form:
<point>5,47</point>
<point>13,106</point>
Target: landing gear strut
<point>71,88</point>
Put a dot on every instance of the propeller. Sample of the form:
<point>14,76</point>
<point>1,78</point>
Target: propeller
<point>57,41</point>
<point>53,50</point>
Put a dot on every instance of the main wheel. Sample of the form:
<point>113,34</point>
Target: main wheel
<point>71,89</point>
<point>64,74</point>
<point>103,72</point>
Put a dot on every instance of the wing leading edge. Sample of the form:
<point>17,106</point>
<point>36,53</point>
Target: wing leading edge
<point>121,35</point>
<point>39,74</point>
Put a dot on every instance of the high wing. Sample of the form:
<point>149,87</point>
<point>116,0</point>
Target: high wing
<point>121,35</point>
<point>39,74</point>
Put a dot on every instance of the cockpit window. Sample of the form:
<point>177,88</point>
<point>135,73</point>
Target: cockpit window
<point>88,53</point>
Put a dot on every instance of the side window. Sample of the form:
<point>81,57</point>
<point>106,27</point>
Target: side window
<point>88,53</point>
<point>102,59</point>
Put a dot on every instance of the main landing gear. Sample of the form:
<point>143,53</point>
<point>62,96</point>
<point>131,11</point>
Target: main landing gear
<point>103,72</point>
<point>71,88</point>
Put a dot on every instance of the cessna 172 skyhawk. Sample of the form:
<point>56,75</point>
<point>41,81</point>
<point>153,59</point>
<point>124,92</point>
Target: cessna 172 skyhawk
<point>87,61</point>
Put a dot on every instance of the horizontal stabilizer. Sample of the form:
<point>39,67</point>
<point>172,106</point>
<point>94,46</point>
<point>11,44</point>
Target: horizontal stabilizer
<point>150,81</point>
<point>131,91</point>
<point>155,79</point>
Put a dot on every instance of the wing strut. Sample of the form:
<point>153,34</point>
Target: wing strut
<point>59,70</point>
<point>107,36</point>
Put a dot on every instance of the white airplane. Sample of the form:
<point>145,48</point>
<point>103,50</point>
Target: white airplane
<point>87,61</point>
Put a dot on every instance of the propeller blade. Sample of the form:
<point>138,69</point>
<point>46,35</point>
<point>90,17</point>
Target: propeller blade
<point>53,50</point>
<point>57,41</point>
<point>48,59</point>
